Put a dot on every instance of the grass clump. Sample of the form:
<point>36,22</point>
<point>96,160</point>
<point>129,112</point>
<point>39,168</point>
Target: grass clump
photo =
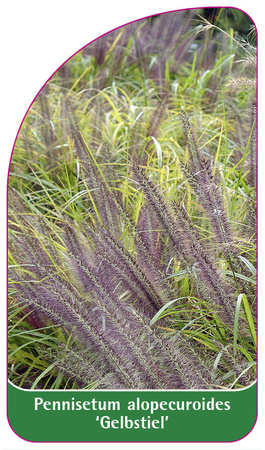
<point>132,215</point>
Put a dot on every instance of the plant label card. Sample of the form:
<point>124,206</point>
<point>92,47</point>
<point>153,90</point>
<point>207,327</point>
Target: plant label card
<point>132,238</point>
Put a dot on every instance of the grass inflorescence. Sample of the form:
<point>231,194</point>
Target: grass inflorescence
<point>132,214</point>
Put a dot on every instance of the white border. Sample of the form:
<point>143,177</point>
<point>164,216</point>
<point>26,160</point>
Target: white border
<point>36,38</point>
<point>134,390</point>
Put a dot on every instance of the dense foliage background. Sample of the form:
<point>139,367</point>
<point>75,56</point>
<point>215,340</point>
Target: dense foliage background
<point>132,196</point>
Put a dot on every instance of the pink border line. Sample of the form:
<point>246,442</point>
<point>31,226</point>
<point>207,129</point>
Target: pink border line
<point>104,34</point>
